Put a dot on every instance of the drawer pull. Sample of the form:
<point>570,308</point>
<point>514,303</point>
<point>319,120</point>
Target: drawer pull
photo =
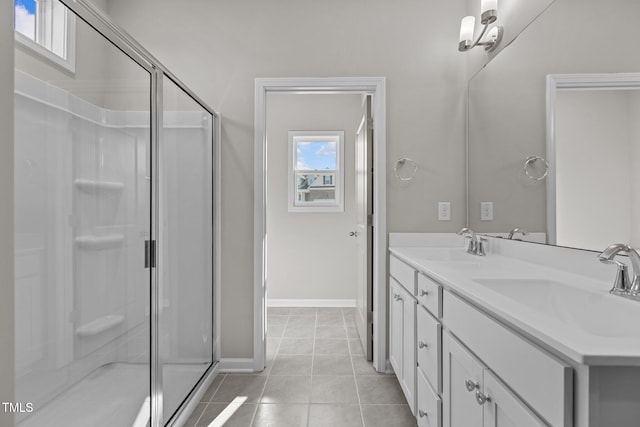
<point>423,293</point>
<point>482,398</point>
<point>471,385</point>
<point>422,413</point>
<point>422,344</point>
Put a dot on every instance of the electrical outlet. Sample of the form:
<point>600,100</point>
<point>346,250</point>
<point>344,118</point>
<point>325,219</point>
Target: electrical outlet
<point>444,211</point>
<point>486,211</point>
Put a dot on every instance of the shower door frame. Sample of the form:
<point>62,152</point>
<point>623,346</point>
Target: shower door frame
<point>123,41</point>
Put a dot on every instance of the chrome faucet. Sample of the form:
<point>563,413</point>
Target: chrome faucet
<point>622,285</point>
<point>476,243</point>
<point>516,230</point>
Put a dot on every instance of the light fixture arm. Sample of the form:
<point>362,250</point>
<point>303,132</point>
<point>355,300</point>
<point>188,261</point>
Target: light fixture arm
<point>465,45</point>
<point>494,36</point>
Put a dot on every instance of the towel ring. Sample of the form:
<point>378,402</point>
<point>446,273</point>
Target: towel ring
<point>530,161</point>
<point>400,163</point>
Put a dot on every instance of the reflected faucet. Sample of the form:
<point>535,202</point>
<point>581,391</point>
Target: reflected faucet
<point>517,230</point>
<point>622,285</point>
<point>476,244</point>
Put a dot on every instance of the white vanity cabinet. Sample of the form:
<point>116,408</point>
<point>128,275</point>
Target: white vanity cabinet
<point>474,397</point>
<point>402,339</point>
<point>453,361</point>
<point>415,337</point>
<point>541,380</point>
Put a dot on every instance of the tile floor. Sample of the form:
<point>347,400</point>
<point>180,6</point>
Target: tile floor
<point>316,376</point>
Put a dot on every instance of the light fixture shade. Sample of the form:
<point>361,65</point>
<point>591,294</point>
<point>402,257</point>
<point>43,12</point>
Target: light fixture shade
<point>486,5</point>
<point>466,28</point>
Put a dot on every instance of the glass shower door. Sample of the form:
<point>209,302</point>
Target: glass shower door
<point>185,244</point>
<point>82,215</point>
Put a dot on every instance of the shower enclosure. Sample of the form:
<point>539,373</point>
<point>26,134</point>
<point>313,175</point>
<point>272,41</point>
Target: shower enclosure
<point>114,235</point>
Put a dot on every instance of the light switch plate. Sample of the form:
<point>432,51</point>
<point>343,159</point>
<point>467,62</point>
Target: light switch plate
<point>444,211</point>
<point>486,211</point>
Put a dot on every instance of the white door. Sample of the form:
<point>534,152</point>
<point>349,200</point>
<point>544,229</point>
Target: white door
<point>364,229</point>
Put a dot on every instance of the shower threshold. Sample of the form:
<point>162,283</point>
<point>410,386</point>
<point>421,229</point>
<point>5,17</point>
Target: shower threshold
<point>112,396</point>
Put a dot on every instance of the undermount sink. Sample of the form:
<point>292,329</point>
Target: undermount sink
<point>594,312</point>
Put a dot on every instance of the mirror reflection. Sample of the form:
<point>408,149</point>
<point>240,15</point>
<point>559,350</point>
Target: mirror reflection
<point>507,125</point>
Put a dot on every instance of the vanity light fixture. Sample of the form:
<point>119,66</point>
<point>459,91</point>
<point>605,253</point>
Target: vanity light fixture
<point>489,10</point>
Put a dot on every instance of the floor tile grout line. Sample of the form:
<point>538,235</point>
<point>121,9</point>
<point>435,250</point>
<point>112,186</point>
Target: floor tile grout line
<point>313,358</point>
<point>268,373</point>
<point>355,380</point>
<point>224,377</point>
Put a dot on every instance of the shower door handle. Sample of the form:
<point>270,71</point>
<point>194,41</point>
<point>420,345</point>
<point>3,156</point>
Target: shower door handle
<point>149,254</point>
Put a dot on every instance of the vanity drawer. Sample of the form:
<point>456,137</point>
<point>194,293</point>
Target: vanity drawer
<point>542,381</point>
<point>403,273</point>
<point>429,407</point>
<point>430,295</point>
<point>430,355</point>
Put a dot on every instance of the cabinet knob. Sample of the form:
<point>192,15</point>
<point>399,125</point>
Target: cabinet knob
<point>421,344</point>
<point>471,385</point>
<point>397,297</point>
<point>422,413</point>
<point>482,398</point>
<point>423,293</point>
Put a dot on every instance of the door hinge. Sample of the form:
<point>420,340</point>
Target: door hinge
<point>149,254</point>
<point>370,220</point>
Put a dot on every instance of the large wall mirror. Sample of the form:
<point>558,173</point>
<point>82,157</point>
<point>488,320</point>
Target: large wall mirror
<point>585,132</point>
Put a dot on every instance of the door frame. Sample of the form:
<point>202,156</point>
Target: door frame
<point>306,85</point>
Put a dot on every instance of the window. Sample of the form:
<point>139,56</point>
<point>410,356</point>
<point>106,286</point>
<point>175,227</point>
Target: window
<point>316,171</point>
<point>47,27</point>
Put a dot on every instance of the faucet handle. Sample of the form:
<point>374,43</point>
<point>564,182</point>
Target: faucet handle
<point>622,284</point>
<point>480,246</point>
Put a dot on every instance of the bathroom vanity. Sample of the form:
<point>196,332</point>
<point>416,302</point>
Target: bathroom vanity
<point>527,335</point>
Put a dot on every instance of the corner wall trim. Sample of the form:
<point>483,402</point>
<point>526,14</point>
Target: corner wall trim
<point>236,365</point>
<point>311,303</point>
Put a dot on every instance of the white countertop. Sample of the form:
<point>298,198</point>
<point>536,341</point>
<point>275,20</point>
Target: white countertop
<point>573,315</point>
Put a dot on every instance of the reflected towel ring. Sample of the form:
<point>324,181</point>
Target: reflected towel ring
<point>400,163</point>
<point>530,161</point>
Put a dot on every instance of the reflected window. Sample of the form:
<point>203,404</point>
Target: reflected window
<point>48,28</point>
<point>315,168</point>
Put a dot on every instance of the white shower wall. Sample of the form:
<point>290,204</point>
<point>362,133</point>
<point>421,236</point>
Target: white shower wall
<point>81,294</point>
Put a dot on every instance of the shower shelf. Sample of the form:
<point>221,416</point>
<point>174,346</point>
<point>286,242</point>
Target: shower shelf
<point>100,242</point>
<point>95,187</point>
<point>100,325</point>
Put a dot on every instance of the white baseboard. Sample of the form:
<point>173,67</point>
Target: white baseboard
<point>311,303</point>
<point>236,365</point>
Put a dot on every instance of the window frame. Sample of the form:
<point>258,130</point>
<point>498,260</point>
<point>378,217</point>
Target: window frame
<point>336,205</point>
<point>69,61</point>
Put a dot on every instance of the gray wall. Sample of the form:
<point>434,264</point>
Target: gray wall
<point>310,254</point>
<point>219,48</point>
<point>6,210</point>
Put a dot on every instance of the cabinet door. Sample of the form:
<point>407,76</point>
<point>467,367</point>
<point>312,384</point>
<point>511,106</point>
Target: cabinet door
<point>395,328</point>
<point>503,408</point>
<point>462,378</point>
<point>409,365</point>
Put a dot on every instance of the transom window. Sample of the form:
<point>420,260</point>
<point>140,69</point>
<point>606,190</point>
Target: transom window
<point>316,171</point>
<point>48,28</point>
